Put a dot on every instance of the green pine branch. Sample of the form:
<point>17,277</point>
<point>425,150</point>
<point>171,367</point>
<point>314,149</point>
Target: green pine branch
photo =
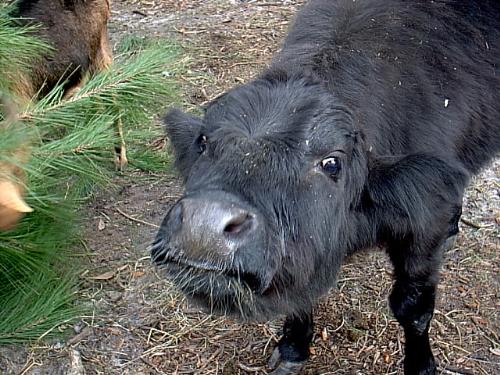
<point>72,150</point>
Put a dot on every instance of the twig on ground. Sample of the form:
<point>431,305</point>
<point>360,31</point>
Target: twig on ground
<point>447,369</point>
<point>470,223</point>
<point>136,220</point>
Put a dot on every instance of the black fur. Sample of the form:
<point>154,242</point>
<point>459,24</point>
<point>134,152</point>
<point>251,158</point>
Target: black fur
<point>297,335</point>
<point>404,97</point>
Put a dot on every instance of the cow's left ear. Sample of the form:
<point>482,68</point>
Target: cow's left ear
<point>413,194</point>
<point>183,130</point>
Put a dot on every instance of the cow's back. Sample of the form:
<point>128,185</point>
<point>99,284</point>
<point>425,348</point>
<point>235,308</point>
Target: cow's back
<point>419,76</point>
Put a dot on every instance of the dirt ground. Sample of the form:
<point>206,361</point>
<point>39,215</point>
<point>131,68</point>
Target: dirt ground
<point>139,325</point>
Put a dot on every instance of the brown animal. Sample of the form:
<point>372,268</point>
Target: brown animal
<point>77,31</point>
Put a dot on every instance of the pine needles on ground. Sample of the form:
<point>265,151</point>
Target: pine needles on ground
<point>72,150</point>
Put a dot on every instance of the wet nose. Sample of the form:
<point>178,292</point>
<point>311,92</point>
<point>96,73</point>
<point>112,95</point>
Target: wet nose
<point>205,226</point>
<point>237,223</point>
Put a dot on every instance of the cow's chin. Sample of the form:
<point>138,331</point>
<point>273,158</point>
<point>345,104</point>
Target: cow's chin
<point>240,296</point>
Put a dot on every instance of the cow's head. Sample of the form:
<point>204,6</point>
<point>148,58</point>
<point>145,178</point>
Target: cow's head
<point>279,188</point>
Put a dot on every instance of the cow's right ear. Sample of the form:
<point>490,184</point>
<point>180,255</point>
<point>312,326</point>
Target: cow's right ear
<point>183,130</point>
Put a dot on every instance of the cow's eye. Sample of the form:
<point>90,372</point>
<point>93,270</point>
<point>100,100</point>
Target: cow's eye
<point>202,143</point>
<point>331,166</point>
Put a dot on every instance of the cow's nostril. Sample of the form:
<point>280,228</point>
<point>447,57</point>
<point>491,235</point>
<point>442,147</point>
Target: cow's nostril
<point>238,224</point>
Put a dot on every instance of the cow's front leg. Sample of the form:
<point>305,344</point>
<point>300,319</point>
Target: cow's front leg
<point>292,350</point>
<point>412,302</point>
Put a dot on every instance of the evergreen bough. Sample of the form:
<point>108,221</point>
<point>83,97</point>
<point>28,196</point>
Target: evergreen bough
<point>72,150</point>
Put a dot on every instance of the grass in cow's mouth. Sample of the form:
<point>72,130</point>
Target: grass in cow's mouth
<point>250,279</point>
<point>247,279</point>
<point>222,292</point>
<point>203,266</point>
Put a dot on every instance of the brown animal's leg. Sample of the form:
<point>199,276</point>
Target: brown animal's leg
<point>292,350</point>
<point>102,62</point>
<point>105,59</point>
<point>104,56</point>
<point>121,151</point>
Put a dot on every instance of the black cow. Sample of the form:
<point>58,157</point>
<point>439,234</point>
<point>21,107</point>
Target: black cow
<point>363,132</point>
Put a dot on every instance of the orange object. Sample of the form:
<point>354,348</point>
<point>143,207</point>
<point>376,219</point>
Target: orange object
<point>12,205</point>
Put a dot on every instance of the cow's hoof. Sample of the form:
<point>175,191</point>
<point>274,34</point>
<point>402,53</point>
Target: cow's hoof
<point>283,367</point>
<point>426,368</point>
<point>427,371</point>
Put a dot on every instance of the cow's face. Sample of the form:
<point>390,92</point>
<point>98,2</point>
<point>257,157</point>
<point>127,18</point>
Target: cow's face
<point>278,191</point>
<point>272,173</point>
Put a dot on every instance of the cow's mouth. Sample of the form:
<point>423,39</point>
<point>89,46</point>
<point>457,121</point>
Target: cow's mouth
<point>215,286</point>
<point>228,292</point>
<point>179,266</point>
<point>247,279</point>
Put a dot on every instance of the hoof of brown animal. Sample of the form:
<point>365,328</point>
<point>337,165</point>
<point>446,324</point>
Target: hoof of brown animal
<point>121,160</point>
<point>12,205</point>
<point>283,367</point>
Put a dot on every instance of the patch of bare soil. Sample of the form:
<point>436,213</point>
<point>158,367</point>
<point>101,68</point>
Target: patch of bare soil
<point>139,325</point>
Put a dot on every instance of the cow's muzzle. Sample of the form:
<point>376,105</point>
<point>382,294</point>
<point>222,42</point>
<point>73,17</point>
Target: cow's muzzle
<point>216,235</point>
